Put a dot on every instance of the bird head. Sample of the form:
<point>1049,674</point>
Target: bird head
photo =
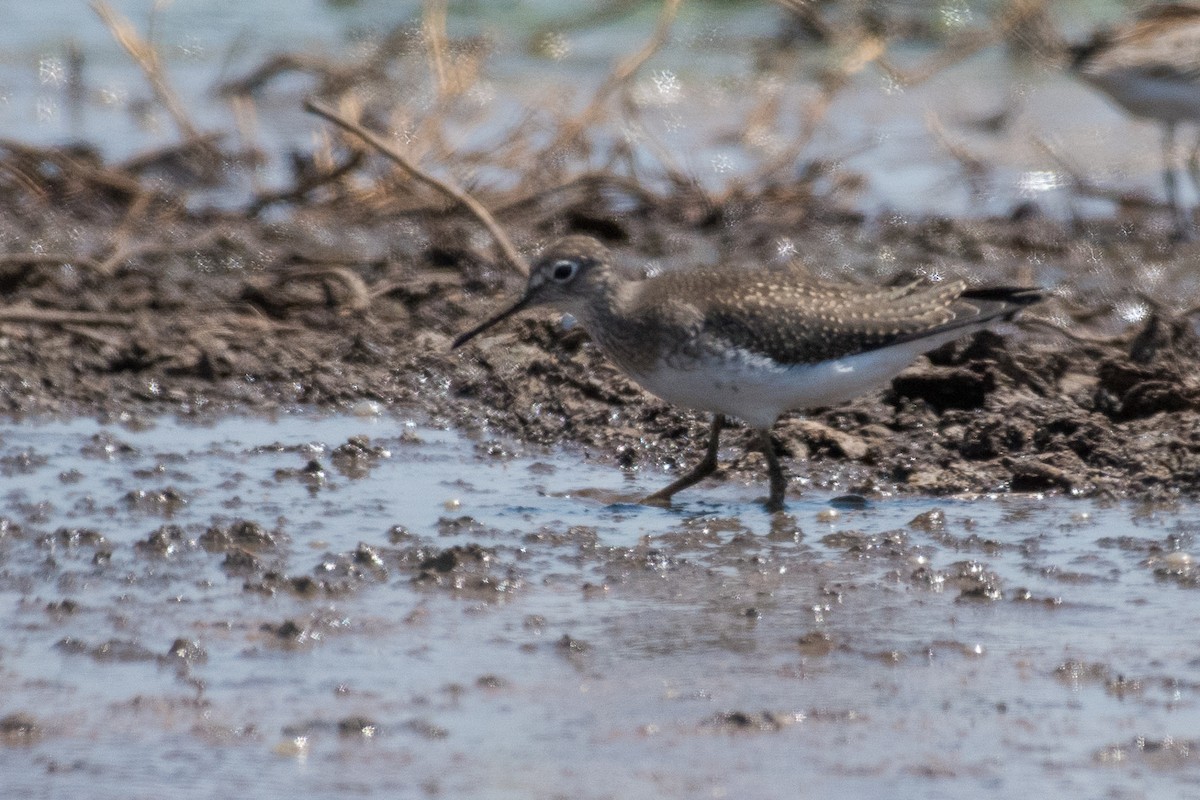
<point>560,278</point>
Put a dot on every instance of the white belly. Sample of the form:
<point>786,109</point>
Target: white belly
<point>757,391</point>
<point>1155,98</point>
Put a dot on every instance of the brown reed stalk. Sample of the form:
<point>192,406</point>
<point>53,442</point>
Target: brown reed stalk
<point>451,191</point>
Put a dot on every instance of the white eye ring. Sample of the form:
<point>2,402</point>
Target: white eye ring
<point>564,270</point>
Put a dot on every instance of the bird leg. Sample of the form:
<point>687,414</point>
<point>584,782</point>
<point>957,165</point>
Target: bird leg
<point>706,467</point>
<point>1183,228</point>
<point>778,479</point>
<point>1193,165</point>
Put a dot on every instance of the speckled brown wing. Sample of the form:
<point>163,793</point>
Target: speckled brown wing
<point>793,320</point>
<point>1163,43</point>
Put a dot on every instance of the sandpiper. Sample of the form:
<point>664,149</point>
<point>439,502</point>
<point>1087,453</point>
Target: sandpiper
<point>1151,68</point>
<point>751,344</point>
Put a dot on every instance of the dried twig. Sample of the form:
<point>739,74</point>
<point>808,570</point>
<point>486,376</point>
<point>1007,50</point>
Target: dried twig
<point>305,184</point>
<point>451,191</point>
<point>974,167</point>
<point>330,73</point>
<point>1078,338</point>
<point>584,182</point>
<point>625,69</point>
<point>70,166</point>
<point>146,57</point>
<point>1081,184</point>
<point>99,337</point>
<point>434,26</point>
<point>45,259</point>
<point>358,296</point>
<point>194,156</point>
<point>135,213</point>
<point>866,50</point>
<point>966,44</point>
<point>53,316</point>
<point>123,252</point>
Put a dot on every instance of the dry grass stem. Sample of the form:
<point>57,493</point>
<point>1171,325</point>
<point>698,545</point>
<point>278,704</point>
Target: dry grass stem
<point>1080,184</point>
<point>625,69</point>
<point>458,195</point>
<point>45,259</point>
<point>124,252</point>
<point>146,57</point>
<point>1015,14</point>
<point>50,316</point>
<point>306,184</point>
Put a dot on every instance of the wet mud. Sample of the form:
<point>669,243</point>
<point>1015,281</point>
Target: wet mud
<point>1094,393</point>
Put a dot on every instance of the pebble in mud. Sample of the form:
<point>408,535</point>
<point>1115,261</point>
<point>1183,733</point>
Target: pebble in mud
<point>155,501</point>
<point>490,681</point>
<point>1165,752</point>
<point>744,721</point>
<point>1175,566</point>
<point>163,542</point>
<point>356,456</point>
<point>293,747</point>
<point>398,533</point>
<point>242,534</point>
<point>974,581</point>
<point>312,475</point>
<point>828,515</point>
<point>815,644</point>
<point>572,646</point>
<point>10,529</point>
<point>61,609</point>
<point>19,729</point>
<point>890,544</point>
<point>426,729</point>
<point>239,561</point>
<point>467,570</point>
<point>367,409</point>
<point>288,633</point>
<point>1082,673</point>
<point>23,462</point>
<point>111,651</point>
<point>357,727</point>
<point>465,525</point>
<point>106,446</point>
<point>929,521</point>
<point>74,537</point>
<point>187,651</point>
<point>300,585</point>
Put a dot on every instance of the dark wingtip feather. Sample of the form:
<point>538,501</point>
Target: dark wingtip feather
<point>1017,296</point>
<point>1002,302</point>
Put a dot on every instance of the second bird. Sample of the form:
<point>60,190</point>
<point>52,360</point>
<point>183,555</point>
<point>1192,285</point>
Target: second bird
<point>1151,68</point>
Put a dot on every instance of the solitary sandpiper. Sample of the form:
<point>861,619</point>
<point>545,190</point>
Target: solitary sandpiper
<point>752,344</point>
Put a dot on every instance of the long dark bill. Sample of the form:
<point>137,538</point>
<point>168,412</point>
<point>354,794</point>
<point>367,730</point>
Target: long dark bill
<point>463,338</point>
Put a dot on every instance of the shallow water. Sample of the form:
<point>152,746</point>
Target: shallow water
<point>571,646</point>
<point>695,96</point>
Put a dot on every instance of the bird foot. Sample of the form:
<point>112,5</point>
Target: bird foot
<point>657,500</point>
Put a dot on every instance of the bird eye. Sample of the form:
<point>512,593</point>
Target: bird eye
<point>564,270</point>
